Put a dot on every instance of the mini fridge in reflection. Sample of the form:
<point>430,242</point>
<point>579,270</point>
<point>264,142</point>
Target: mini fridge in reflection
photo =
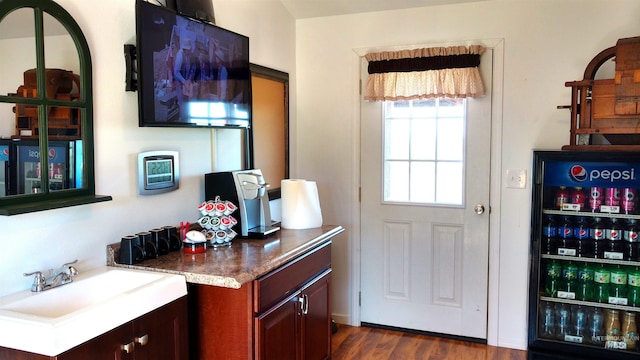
<point>61,171</point>
<point>584,297</point>
<point>4,168</point>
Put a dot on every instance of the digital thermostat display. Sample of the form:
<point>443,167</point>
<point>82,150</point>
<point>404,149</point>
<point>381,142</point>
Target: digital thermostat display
<point>158,172</point>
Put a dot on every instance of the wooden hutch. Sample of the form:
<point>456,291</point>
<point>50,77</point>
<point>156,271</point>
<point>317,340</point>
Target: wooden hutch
<point>605,113</point>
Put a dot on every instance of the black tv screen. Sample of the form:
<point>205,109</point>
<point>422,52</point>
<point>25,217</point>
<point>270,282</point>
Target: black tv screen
<point>190,73</point>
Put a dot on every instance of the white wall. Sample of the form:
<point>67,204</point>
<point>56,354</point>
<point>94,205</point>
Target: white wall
<point>546,43</point>
<point>47,239</point>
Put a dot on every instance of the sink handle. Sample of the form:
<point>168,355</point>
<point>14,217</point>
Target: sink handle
<point>70,263</point>
<point>128,348</point>
<point>142,340</point>
<point>38,281</point>
<point>36,273</point>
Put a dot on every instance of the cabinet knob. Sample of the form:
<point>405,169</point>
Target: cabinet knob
<point>142,340</point>
<point>128,348</point>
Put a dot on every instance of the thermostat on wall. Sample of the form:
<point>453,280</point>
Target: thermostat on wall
<point>158,172</point>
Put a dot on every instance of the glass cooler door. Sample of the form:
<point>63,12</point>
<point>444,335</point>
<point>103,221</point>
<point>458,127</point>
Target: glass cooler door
<point>4,169</point>
<point>584,296</point>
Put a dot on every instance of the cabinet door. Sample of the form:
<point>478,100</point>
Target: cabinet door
<point>277,331</point>
<point>104,347</point>
<point>316,319</point>
<point>162,334</point>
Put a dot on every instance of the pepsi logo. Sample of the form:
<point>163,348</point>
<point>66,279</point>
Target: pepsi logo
<point>578,173</point>
<point>6,151</point>
<point>52,152</point>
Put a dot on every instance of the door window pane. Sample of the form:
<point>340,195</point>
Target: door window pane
<point>397,135</point>
<point>424,151</point>
<point>396,186</point>
<point>449,183</point>
<point>423,185</point>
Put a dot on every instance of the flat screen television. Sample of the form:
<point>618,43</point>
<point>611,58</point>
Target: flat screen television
<point>191,73</point>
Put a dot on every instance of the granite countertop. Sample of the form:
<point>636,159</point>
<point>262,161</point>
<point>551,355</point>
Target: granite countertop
<point>232,266</point>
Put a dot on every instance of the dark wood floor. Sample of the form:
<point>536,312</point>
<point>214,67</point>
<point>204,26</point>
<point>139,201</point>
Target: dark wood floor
<point>370,343</point>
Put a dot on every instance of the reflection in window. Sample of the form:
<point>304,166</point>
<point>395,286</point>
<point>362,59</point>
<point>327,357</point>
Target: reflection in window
<point>424,151</point>
<point>46,113</point>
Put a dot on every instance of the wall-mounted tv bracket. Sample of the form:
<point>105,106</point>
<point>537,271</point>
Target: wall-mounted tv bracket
<point>131,70</point>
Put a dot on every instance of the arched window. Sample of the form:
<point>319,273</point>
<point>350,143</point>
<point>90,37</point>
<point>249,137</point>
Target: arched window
<point>46,109</point>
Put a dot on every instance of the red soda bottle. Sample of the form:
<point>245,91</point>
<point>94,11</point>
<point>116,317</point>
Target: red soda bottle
<point>562,196</point>
<point>578,197</point>
<point>612,197</point>
<point>596,197</point>
<point>628,200</point>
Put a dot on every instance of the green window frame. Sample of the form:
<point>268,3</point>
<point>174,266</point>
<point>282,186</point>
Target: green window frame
<point>25,203</point>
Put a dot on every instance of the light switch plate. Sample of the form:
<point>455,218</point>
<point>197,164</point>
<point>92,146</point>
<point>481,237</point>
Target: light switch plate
<point>516,179</point>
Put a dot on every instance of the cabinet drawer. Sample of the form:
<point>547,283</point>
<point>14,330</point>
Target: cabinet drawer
<point>288,278</point>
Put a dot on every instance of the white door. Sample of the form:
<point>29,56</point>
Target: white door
<point>425,212</point>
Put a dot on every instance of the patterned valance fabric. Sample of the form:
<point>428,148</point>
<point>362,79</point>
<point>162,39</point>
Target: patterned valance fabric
<point>449,72</point>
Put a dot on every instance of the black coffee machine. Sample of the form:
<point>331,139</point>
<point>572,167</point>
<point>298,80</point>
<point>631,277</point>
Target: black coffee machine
<point>247,189</point>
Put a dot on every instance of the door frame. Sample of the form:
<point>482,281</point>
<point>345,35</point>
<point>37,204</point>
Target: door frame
<point>497,46</point>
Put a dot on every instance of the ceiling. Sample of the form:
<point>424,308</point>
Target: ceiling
<point>303,9</point>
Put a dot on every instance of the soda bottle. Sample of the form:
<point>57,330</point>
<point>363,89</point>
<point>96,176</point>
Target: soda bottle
<point>618,284</point>
<point>628,200</point>
<point>584,291</point>
<point>583,241</point>
<point>553,278</point>
<point>629,330</point>
<point>596,197</point>
<point>601,279</point>
<point>569,283</point>
<point>613,240</point>
<point>549,236</point>
<point>547,321</point>
<point>562,196</point>
<point>597,234</point>
<point>612,197</point>
<point>579,317</point>
<point>632,241</point>
<point>563,321</point>
<point>596,334</point>
<point>578,197</point>
<point>566,244</point>
<point>633,288</point>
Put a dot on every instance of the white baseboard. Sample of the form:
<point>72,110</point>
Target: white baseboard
<point>342,319</point>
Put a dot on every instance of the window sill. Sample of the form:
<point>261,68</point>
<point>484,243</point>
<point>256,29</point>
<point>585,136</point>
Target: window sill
<point>52,204</point>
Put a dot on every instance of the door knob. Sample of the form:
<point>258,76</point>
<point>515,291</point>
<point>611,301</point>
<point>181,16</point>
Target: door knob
<point>479,209</point>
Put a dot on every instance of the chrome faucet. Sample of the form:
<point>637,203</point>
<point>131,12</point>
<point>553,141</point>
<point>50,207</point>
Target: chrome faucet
<point>63,276</point>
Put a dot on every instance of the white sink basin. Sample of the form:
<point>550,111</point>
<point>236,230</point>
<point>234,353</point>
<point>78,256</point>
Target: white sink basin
<point>56,320</point>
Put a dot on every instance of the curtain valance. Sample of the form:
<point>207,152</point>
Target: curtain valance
<point>450,72</point>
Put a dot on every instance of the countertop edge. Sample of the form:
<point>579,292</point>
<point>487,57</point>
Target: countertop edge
<point>238,280</point>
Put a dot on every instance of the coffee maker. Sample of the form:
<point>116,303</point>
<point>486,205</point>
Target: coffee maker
<point>247,189</point>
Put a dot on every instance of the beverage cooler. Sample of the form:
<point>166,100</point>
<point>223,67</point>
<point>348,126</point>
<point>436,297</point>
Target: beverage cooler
<point>21,171</point>
<point>584,297</point>
<point>4,168</point>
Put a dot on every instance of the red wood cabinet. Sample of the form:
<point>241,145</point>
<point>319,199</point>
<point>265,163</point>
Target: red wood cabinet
<point>299,327</point>
<point>160,334</point>
<point>282,315</point>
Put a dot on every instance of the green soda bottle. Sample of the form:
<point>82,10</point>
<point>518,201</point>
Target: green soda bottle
<point>569,279</point>
<point>618,285</point>
<point>601,279</point>
<point>585,283</point>
<point>633,293</point>
<point>553,278</point>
